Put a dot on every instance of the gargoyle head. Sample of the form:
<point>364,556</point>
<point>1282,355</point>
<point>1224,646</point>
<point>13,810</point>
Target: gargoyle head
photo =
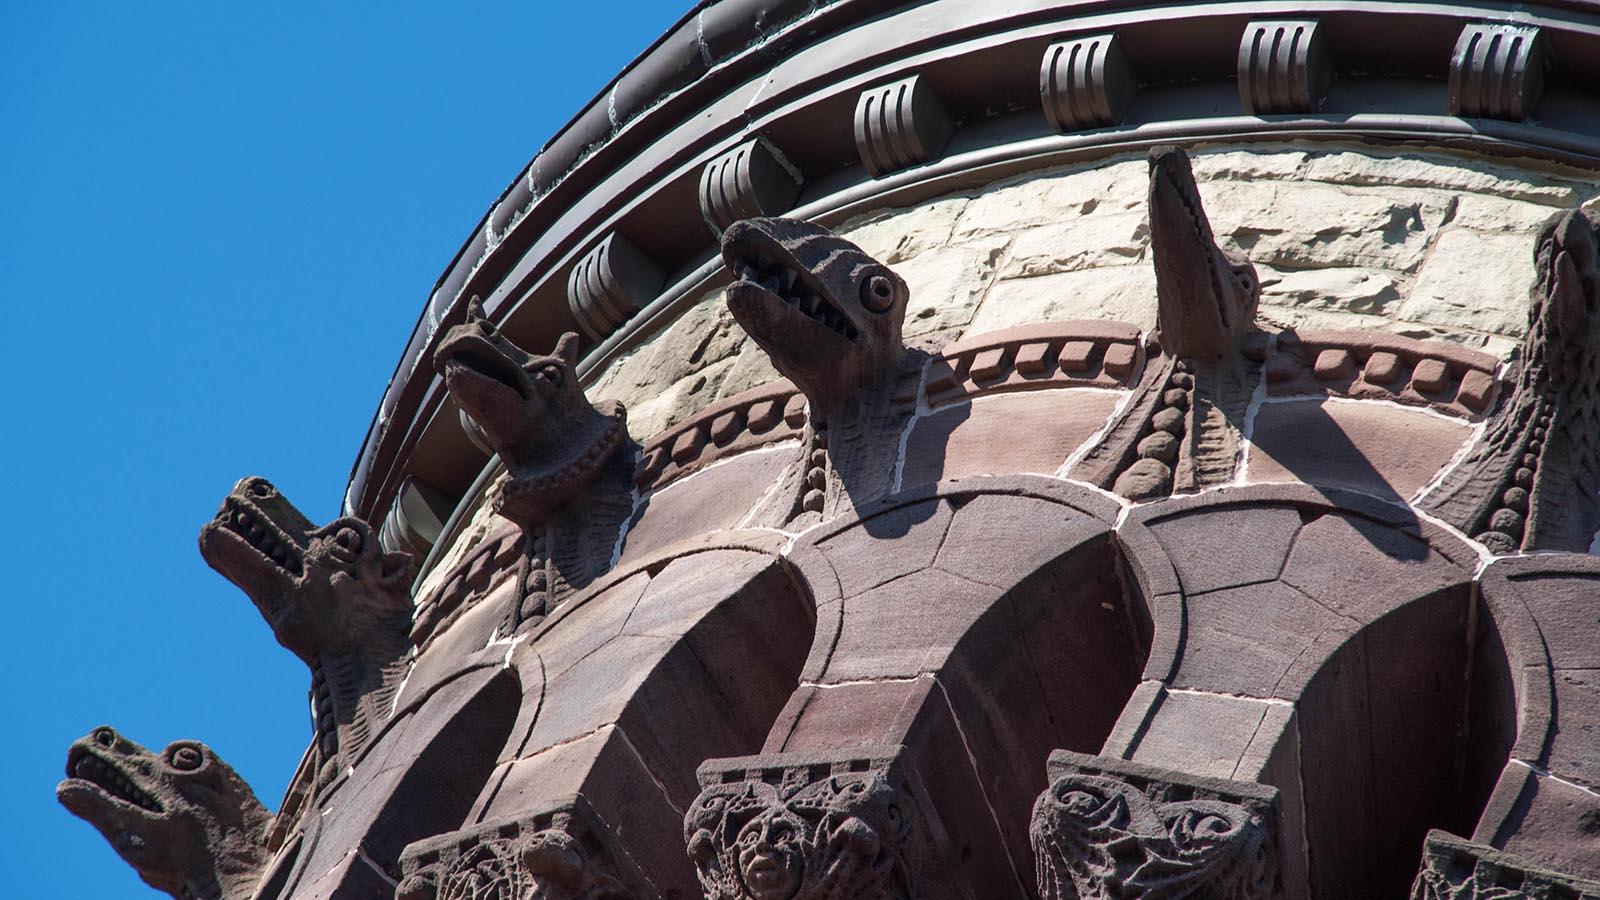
<point>827,314</point>
<point>323,590</point>
<point>1207,296</point>
<point>183,818</point>
<point>533,412</point>
<point>1564,318</point>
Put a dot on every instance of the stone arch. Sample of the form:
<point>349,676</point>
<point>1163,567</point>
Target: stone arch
<point>671,658</point>
<point>954,651</point>
<point>1334,647</point>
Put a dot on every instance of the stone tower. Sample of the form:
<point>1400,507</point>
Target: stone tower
<point>962,450</point>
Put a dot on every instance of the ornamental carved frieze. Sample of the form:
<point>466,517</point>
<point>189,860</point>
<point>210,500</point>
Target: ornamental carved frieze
<point>1456,869</point>
<point>564,853</point>
<point>1108,828</point>
<point>811,827</point>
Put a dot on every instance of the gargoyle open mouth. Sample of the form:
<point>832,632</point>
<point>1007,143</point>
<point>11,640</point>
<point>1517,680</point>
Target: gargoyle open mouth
<point>471,357</point>
<point>786,283</point>
<point>247,523</point>
<point>86,767</point>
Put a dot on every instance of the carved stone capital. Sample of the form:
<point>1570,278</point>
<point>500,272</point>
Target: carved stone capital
<point>1457,869</point>
<point>1283,67</point>
<point>1086,82</point>
<point>1109,828</point>
<point>753,179</point>
<point>900,125</point>
<point>564,853</point>
<point>611,283</point>
<point>817,827</point>
<point>1497,71</point>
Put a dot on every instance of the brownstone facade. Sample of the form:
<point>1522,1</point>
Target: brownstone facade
<point>952,450</point>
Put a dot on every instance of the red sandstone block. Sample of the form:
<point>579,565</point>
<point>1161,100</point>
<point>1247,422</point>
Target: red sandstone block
<point>1120,359</point>
<point>1430,375</point>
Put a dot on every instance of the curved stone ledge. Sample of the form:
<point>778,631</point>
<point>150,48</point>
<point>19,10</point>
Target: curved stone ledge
<point>633,170</point>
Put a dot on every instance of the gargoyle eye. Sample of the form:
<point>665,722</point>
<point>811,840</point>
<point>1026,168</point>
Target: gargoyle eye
<point>877,293</point>
<point>105,737</point>
<point>348,540</point>
<point>185,757</point>
<point>260,489</point>
<point>553,374</point>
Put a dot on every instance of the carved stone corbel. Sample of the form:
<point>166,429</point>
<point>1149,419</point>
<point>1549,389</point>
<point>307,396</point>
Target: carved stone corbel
<point>1457,869</point>
<point>1086,83</point>
<point>611,283</point>
<point>565,853</point>
<point>752,179</point>
<point>1110,828</point>
<point>1283,67</point>
<point>818,827</point>
<point>1497,71</point>
<point>900,125</point>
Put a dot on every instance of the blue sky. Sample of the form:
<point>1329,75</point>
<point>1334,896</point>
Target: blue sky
<point>218,223</point>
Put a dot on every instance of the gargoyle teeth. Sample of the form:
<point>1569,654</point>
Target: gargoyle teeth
<point>86,766</point>
<point>262,535</point>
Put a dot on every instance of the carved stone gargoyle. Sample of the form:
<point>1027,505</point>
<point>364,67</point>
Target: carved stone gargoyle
<point>183,818</point>
<point>569,463</point>
<point>829,316</point>
<point>333,597</point>
<point>1533,481</point>
<point>1181,433</point>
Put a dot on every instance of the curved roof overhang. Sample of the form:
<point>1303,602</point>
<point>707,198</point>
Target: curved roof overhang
<point>620,195</point>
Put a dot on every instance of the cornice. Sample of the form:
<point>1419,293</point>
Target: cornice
<point>974,83</point>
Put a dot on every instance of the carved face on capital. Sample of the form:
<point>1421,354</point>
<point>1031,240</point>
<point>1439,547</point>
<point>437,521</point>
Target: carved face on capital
<point>827,314</point>
<point>770,860</point>
<point>316,587</point>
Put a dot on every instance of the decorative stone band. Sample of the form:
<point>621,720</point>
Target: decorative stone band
<point>757,417</point>
<point>489,565</point>
<point>753,179</point>
<point>1112,828</point>
<point>1497,71</point>
<point>563,853</point>
<point>1375,366</point>
<point>1028,357</point>
<point>1283,67</point>
<point>1086,83</point>
<point>801,826</point>
<point>1043,355</point>
<point>1457,869</point>
<point>900,125</point>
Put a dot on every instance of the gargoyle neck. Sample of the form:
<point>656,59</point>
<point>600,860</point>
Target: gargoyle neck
<point>535,491</point>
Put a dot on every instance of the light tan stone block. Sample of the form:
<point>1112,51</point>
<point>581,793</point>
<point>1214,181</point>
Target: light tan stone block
<point>1474,281</point>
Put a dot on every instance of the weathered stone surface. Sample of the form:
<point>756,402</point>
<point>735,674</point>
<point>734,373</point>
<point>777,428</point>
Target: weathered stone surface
<point>1011,433</point>
<point>1371,447</point>
<point>1052,198</point>
<point>903,234</point>
<point>1370,292</point>
<point>1107,239</point>
<point>1305,224</point>
<point>718,498</point>
<point>1446,172</point>
<point>947,285</point>
<point>1120,293</point>
<point>1474,282</point>
<point>1109,828</point>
